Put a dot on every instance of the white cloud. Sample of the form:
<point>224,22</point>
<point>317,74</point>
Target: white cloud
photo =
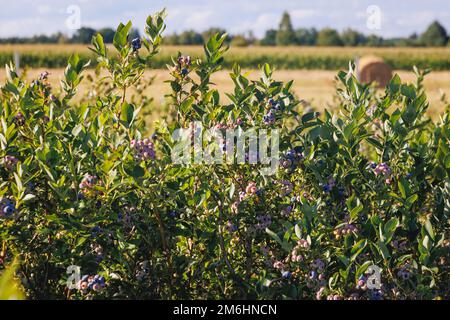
<point>44,9</point>
<point>24,26</point>
<point>304,13</point>
<point>199,20</point>
<point>259,26</point>
<point>400,18</point>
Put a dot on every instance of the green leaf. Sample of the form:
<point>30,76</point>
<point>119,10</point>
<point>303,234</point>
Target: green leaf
<point>403,186</point>
<point>429,229</point>
<point>99,44</point>
<point>361,269</point>
<point>412,199</point>
<point>344,260</point>
<point>10,287</point>
<point>427,243</point>
<point>28,197</point>
<point>298,231</point>
<point>383,250</point>
<point>176,87</point>
<point>358,248</point>
<point>389,229</point>
<point>186,104</point>
<point>395,84</point>
<point>309,116</point>
<point>127,114</point>
<point>381,233</point>
<point>18,182</point>
<point>274,236</point>
<point>447,161</point>
<point>121,35</point>
<point>355,211</point>
<point>232,189</point>
<point>138,172</point>
<point>77,129</point>
<point>408,91</point>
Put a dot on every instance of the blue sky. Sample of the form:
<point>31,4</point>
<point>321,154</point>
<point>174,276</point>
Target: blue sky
<point>398,18</point>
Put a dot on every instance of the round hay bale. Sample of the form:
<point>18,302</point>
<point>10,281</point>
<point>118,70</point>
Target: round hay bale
<point>374,69</point>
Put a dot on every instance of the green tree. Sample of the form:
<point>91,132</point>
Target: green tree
<point>190,37</point>
<point>83,35</point>
<point>239,41</point>
<point>306,37</point>
<point>435,35</point>
<point>270,38</point>
<point>352,38</point>
<point>329,37</point>
<point>285,35</point>
<point>107,34</point>
<point>172,39</point>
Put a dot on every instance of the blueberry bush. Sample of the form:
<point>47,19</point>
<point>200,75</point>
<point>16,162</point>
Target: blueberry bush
<point>86,184</point>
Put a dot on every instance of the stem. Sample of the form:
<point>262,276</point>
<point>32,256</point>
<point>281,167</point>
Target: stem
<point>165,247</point>
<point>235,277</point>
<point>124,94</point>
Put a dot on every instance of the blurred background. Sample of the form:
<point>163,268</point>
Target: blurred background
<point>307,41</point>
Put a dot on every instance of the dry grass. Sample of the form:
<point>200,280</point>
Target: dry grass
<point>296,50</point>
<point>314,86</point>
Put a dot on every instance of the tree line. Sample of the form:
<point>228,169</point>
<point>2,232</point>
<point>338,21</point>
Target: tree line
<point>83,35</point>
<point>434,36</point>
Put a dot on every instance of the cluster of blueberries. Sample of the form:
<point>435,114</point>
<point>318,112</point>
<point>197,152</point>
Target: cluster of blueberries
<point>9,162</point>
<point>344,230</point>
<point>44,76</point>
<point>327,187</point>
<point>136,43</point>
<point>173,214</point>
<point>292,158</point>
<point>270,117</point>
<point>382,170</point>
<point>251,188</point>
<point>229,125</point>
<point>230,227</point>
<point>263,222</point>
<point>286,187</point>
<point>286,211</point>
<point>95,283</point>
<point>143,270</point>
<point>98,251</point>
<point>286,274</point>
<point>7,208</point>
<point>313,275</point>
<point>143,149</point>
<point>42,81</point>
<point>373,293</point>
<point>20,119</point>
<point>361,284</point>
<point>183,64</point>
<point>88,182</point>
<point>400,246</point>
<point>404,272</point>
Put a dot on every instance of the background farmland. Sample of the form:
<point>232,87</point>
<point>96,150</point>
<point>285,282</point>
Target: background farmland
<point>288,57</point>
<point>313,69</point>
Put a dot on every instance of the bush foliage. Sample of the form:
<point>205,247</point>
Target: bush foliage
<point>82,184</point>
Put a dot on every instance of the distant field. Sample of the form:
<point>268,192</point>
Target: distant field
<point>314,86</point>
<point>289,58</point>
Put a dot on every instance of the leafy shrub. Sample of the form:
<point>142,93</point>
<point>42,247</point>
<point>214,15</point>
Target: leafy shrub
<point>82,185</point>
